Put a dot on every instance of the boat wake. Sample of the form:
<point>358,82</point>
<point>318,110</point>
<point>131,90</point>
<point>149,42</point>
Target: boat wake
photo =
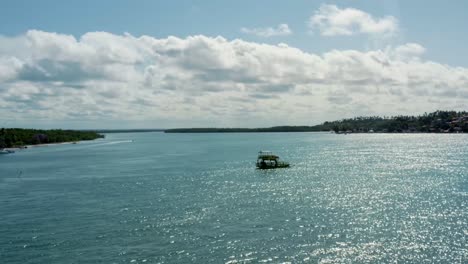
<point>111,143</point>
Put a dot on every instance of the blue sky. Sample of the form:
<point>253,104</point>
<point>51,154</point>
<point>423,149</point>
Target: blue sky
<point>439,25</point>
<point>315,59</point>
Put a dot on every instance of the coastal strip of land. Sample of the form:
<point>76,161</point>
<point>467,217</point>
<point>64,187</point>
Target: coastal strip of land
<point>245,130</point>
<point>20,137</point>
<point>108,131</point>
<point>436,122</point>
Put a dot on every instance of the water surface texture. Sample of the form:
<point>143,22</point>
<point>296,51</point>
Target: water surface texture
<point>197,198</point>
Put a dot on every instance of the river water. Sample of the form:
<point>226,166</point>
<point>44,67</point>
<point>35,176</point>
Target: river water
<point>197,198</point>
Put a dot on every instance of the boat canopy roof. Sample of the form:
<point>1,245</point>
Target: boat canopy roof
<point>267,155</point>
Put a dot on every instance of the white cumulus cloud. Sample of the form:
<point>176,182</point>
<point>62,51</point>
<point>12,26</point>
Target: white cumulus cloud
<point>331,20</point>
<point>410,50</point>
<point>280,30</point>
<point>211,81</point>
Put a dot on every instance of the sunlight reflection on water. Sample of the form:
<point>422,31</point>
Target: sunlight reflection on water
<point>346,199</point>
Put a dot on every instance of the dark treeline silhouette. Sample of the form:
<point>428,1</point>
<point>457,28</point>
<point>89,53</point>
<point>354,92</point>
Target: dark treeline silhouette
<point>436,122</point>
<point>140,130</point>
<point>245,130</point>
<point>17,137</point>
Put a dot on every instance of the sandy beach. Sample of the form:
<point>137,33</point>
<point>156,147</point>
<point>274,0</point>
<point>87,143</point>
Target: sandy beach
<point>41,145</point>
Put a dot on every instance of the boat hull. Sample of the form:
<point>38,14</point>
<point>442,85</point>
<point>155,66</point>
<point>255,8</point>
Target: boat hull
<point>267,167</point>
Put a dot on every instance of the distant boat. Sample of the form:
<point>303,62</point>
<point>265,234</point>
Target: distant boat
<point>268,160</point>
<point>6,151</point>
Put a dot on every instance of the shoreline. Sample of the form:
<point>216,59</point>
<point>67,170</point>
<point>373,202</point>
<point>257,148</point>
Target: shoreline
<point>44,145</point>
<point>22,138</point>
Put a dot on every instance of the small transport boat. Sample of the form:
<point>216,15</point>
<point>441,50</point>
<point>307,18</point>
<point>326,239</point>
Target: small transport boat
<point>268,160</point>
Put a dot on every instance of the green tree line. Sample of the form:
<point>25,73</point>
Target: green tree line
<point>17,137</point>
<point>436,122</point>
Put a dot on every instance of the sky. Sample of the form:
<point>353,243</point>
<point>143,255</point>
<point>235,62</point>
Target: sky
<point>165,64</point>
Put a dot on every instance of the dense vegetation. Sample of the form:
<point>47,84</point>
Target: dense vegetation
<point>436,122</point>
<point>17,137</point>
<point>107,131</point>
<point>245,130</point>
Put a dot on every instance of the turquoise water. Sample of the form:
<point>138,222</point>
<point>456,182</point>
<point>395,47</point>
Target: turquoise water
<point>196,198</point>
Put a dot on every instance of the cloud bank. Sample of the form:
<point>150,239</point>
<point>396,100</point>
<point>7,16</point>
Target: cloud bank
<point>280,30</point>
<point>333,21</point>
<point>206,81</point>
